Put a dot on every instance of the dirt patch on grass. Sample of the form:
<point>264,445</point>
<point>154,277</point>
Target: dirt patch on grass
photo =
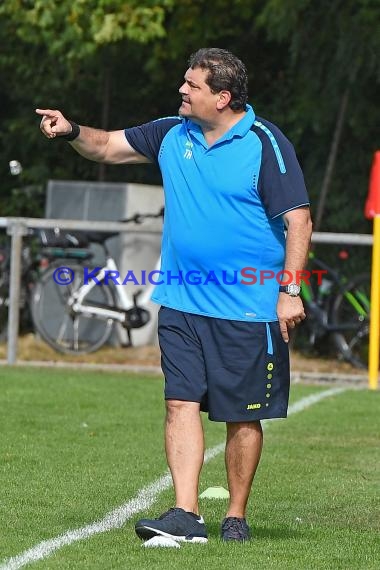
<point>31,348</point>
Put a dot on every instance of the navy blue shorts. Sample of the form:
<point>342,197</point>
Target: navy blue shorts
<point>237,370</point>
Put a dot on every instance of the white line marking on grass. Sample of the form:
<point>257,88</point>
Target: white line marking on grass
<point>308,401</point>
<point>143,500</point>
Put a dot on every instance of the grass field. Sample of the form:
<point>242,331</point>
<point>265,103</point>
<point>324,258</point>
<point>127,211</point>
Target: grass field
<point>77,445</point>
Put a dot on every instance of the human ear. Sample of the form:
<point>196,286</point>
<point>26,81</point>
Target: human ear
<point>224,98</point>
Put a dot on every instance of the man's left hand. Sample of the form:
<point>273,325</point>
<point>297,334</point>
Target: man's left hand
<point>290,312</point>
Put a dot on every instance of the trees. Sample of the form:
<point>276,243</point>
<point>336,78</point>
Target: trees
<point>334,50</point>
<point>64,54</point>
<point>114,63</point>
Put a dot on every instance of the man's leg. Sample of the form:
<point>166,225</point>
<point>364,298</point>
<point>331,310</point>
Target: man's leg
<point>185,386</point>
<point>184,443</point>
<point>243,451</point>
<point>185,451</point>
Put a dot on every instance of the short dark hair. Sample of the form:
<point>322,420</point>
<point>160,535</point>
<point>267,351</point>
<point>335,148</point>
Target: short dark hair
<point>225,71</point>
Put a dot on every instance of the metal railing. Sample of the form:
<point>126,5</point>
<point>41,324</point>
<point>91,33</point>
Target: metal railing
<point>17,228</point>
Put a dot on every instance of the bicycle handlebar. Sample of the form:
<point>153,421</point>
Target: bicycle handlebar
<point>82,238</point>
<point>139,218</point>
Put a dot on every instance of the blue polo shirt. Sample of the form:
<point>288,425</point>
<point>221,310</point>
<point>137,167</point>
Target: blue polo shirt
<point>223,241</point>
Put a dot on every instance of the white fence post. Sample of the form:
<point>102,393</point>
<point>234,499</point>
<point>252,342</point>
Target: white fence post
<point>17,230</point>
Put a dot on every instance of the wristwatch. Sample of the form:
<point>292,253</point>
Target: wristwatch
<point>293,289</point>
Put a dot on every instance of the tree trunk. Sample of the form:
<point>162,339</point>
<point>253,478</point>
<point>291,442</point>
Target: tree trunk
<point>332,158</point>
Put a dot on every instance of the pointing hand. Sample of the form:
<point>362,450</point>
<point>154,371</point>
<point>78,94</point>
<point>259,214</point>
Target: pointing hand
<point>53,123</point>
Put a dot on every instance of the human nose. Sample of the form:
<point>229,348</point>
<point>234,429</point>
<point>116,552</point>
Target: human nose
<point>182,90</point>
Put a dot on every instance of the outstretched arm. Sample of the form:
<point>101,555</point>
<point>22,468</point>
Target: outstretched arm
<point>95,144</point>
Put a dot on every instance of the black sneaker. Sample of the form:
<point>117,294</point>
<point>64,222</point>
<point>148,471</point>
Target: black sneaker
<point>234,528</point>
<point>177,524</point>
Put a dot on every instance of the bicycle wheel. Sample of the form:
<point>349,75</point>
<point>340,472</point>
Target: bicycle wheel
<point>351,312</point>
<point>4,302</point>
<point>59,326</point>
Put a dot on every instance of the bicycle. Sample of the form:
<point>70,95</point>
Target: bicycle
<point>334,305</point>
<point>4,291</point>
<point>33,261</point>
<point>339,308</point>
<point>74,310</point>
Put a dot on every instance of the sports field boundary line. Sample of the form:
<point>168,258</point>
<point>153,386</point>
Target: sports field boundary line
<point>142,501</point>
<point>296,375</point>
<point>137,368</point>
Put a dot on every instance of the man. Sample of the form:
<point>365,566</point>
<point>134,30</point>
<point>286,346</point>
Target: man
<point>232,182</point>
